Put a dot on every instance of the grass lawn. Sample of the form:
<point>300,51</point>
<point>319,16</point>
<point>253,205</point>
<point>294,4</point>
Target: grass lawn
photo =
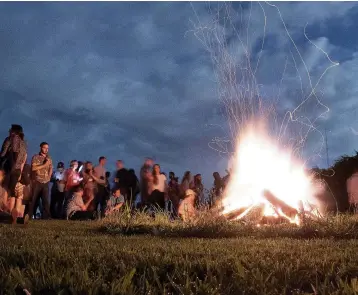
<point>63,257</point>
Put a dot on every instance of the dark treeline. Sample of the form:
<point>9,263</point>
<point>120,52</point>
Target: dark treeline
<point>335,179</point>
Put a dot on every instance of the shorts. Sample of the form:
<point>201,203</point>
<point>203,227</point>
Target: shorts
<point>13,181</point>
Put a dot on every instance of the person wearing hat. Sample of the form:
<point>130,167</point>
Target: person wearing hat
<point>187,209</point>
<point>58,191</point>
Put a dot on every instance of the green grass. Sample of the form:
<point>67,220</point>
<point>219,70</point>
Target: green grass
<point>127,256</point>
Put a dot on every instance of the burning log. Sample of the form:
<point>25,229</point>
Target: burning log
<point>278,204</point>
<point>236,214</point>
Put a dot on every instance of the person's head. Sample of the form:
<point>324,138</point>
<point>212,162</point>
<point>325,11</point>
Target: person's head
<point>78,190</point>
<point>102,161</point>
<point>216,175</point>
<point>60,166</point>
<point>88,166</point>
<point>2,175</point>
<point>119,164</point>
<point>187,176</point>
<point>156,169</point>
<point>16,129</point>
<point>197,178</point>
<point>131,171</point>
<point>74,164</point>
<point>116,192</point>
<point>148,162</point>
<point>44,148</point>
<point>189,193</point>
<point>171,175</point>
<point>108,174</point>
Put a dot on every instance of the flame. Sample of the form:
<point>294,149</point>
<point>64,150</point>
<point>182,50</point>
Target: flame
<point>261,165</point>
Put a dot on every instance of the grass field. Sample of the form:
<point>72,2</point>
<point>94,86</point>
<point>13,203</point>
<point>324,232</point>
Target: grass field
<point>155,257</point>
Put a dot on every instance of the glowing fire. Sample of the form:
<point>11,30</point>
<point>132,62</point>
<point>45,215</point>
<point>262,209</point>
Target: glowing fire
<point>267,176</point>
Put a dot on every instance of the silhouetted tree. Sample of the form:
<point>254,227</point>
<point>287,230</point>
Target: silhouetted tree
<point>336,178</point>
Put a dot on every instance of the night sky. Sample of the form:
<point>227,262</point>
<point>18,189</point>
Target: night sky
<point>130,80</point>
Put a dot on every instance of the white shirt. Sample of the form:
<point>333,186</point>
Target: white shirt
<point>60,176</point>
<point>160,186</point>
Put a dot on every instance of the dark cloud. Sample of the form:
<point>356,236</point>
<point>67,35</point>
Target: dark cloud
<point>130,80</point>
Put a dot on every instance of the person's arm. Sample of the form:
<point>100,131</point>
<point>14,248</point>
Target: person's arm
<point>50,168</point>
<point>117,207</point>
<point>97,178</point>
<point>85,205</point>
<point>38,165</point>
<point>5,147</point>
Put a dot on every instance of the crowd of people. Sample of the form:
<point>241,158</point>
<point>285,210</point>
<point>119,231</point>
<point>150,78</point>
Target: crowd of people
<point>84,191</point>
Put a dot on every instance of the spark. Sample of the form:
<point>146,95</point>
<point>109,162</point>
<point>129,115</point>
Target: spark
<point>231,51</point>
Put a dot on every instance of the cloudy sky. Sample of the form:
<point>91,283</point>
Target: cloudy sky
<point>134,79</point>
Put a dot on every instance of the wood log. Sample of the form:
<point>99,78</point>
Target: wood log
<point>235,213</point>
<point>278,204</point>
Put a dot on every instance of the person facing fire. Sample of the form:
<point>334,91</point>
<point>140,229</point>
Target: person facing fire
<point>101,196</point>
<point>115,202</point>
<point>77,209</point>
<point>187,210</point>
<point>58,191</point>
<point>173,193</point>
<point>146,180</point>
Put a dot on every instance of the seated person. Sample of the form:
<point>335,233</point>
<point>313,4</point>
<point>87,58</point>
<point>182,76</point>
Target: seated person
<point>77,209</point>
<point>115,202</point>
<point>187,209</point>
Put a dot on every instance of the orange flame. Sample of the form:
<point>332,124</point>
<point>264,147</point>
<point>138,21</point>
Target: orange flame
<point>260,165</point>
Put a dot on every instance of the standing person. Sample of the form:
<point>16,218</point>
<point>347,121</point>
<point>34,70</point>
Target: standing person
<point>101,196</point>
<point>90,182</point>
<point>198,187</point>
<point>146,180</point>
<point>58,191</point>
<point>122,179</point>
<point>217,188</point>
<point>133,188</point>
<point>159,188</point>
<point>174,193</point>
<point>41,166</point>
<point>72,179</point>
<point>185,183</point>
<point>14,151</point>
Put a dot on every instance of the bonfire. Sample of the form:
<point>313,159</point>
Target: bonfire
<point>268,178</point>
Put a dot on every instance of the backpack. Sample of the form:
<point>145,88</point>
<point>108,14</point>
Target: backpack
<point>26,175</point>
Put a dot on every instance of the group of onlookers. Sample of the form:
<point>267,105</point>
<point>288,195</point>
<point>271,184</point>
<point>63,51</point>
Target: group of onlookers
<point>85,191</point>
